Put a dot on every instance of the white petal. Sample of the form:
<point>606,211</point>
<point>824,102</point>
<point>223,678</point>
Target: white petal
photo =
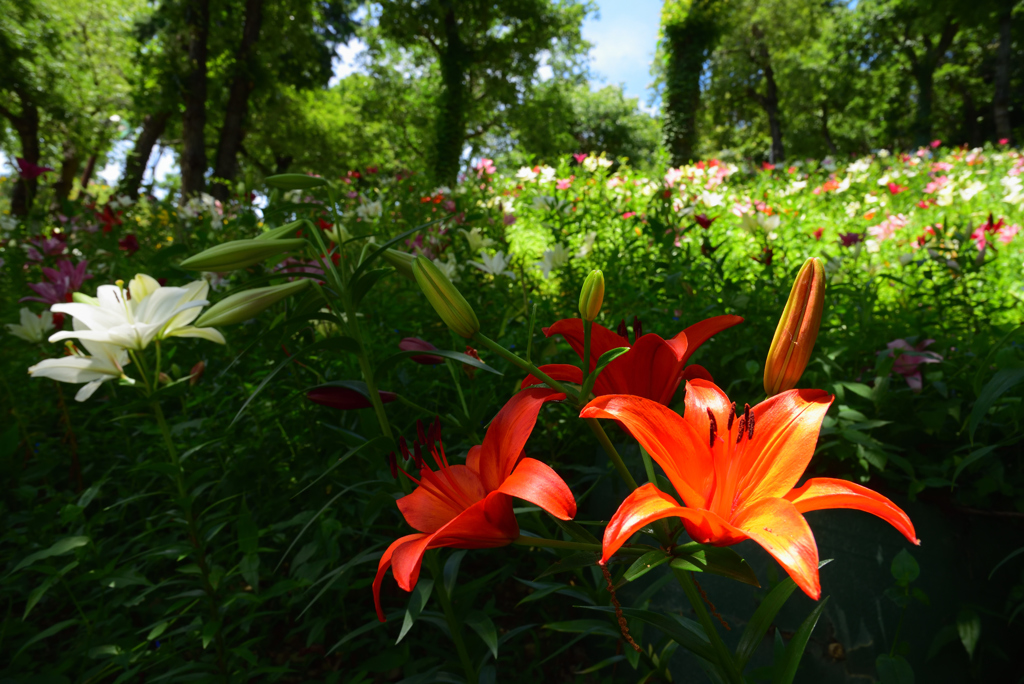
<point>211,334</point>
<point>87,390</point>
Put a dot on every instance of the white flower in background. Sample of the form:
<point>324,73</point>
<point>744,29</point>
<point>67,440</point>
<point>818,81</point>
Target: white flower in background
<point>757,222</point>
<point>526,174</point>
<point>590,163</point>
<point>338,233</point>
<point>859,166</point>
<point>711,199</point>
<point>829,164</point>
<point>7,223</point>
<point>968,193</point>
<point>144,312</point>
<point>870,199</point>
<point>545,202</point>
<point>495,265</point>
<point>547,174</point>
<point>449,267</point>
<point>216,280</point>
<point>476,239</point>
<point>1014,190</point>
<point>203,205</point>
<point>293,196</point>
<point>32,328</point>
<point>588,244</point>
<point>944,197</point>
<point>884,180</point>
<point>121,202</point>
<point>844,184</point>
<point>883,153</point>
<point>106,362</point>
<point>441,190</point>
<point>872,246</point>
<point>554,258</point>
<point>604,162</point>
<point>370,210</point>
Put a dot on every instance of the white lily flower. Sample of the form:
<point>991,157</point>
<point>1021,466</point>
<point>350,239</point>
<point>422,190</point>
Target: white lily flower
<point>449,267</point>
<point>107,362</point>
<point>588,244</point>
<point>477,240</point>
<point>149,312</point>
<point>547,174</point>
<point>32,328</point>
<point>495,265</point>
<point>553,259</point>
<point>370,210</point>
<point>526,174</point>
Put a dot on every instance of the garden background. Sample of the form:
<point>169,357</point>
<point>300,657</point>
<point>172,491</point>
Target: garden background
<point>225,523</point>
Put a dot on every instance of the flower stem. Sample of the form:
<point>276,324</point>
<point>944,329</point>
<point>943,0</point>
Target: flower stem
<point>556,543</point>
<point>609,449</point>
<point>726,664</point>
<point>587,327</point>
<point>454,625</point>
<point>524,365</point>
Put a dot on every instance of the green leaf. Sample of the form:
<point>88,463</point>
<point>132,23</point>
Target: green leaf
<point>46,633</point>
<point>602,362</point>
<point>362,287</point>
<point>544,589</point>
<point>578,559</point>
<point>248,532</point>
<point>390,361</point>
<point>59,548</point>
<point>718,561</point>
<point>482,625</point>
<point>795,648</point>
<point>365,263</point>
<point>904,568</point>
<point>762,621</point>
<point>645,563</point>
<point>417,602</point>
<point>893,670</point>
<point>37,593</point>
<point>968,626</point>
<point>209,632</point>
<point>684,632</point>
<point>294,181</point>
<point>974,457</point>
<point>1003,381</point>
<point>585,626</point>
<point>451,570</point>
<point>249,567</point>
<point>1000,563</point>
<point>858,388</point>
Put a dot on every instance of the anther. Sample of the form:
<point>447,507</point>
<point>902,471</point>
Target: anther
<point>393,464</point>
<point>742,429</point>
<point>419,432</point>
<point>714,427</point>
<point>732,415</point>
<point>437,428</point>
<point>638,329</point>
<point>622,330</point>
<point>750,427</point>
<point>417,455</point>
<point>404,447</point>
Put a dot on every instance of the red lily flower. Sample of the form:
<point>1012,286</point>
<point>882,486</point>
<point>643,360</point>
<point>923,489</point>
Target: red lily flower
<point>470,506</point>
<point>652,368</point>
<point>736,474</point>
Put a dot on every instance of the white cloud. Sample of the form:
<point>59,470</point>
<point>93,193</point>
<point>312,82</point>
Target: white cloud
<point>624,39</point>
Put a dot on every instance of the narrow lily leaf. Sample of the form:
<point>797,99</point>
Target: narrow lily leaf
<point>1000,563</point>
<point>359,631</point>
<point>59,548</point>
<point>602,362</point>
<point>786,670</point>
<point>684,632</point>
<point>968,626</point>
<point>762,621</point>
<point>545,589</point>
<point>973,458</point>
<point>451,570</point>
<point>417,602</point>
<point>1001,383</point>
<point>585,626</point>
<point>718,561</point>
<point>893,670</point>
<point>387,363</point>
<point>393,241</point>
<point>38,592</point>
<point>361,287</point>
<point>482,625</point>
<point>645,564</point>
<point>375,442</point>
<point>579,559</point>
<point>601,665</point>
<point>46,633</point>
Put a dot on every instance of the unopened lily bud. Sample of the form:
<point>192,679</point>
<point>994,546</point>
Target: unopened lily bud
<point>280,232</point>
<point>231,256</point>
<point>446,299</point>
<point>196,374</point>
<point>163,378</point>
<point>592,295</point>
<point>82,298</point>
<point>294,181</point>
<point>402,261</point>
<point>797,330</point>
<point>242,306</point>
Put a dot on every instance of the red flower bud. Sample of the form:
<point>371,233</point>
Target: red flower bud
<point>345,398</point>
<point>417,344</point>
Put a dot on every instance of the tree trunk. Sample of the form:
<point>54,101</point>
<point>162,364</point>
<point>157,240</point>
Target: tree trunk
<point>1001,100</point>
<point>233,131</point>
<point>193,122</point>
<point>770,100</point>
<point>153,126</point>
<point>90,166</point>
<point>451,122</point>
<point>687,44</point>
<point>825,132</point>
<point>27,127</point>
<point>68,170</point>
<point>923,68</point>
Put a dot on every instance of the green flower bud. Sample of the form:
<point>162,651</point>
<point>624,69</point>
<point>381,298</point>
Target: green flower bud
<point>280,232</point>
<point>242,306</point>
<point>82,298</point>
<point>447,301</point>
<point>797,330</point>
<point>237,254</point>
<point>294,181</point>
<point>592,295</point>
<point>402,261</point>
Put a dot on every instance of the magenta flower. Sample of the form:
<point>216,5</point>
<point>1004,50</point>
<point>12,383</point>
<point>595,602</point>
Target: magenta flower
<point>28,170</point>
<point>64,280</point>
<point>417,344</point>
<point>579,157</point>
<point>41,247</point>
<point>508,219</point>
<point>850,239</point>
<point>129,243</point>
<point>565,183</point>
<point>345,398</point>
<point>908,362</point>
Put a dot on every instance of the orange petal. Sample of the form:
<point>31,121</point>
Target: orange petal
<point>601,340</point>
<point>699,333</point>
<point>785,433</point>
<point>697,372</point>
<point>671,441</point>
<point>537,483</point>
<point>652,369</point>
<point>777,526</point>
<point>562,372</point>
<point>441,496</point>
<point>824,492</point>
<point>702,396</point>
<point>486,524</point>
<point>647,504</point>
<point>507,434</point>
<point>382,568</point>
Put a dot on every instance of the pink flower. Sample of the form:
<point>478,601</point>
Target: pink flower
<point>485,167</point>
<point>417,344</point>
<point>936,143</point>
<point>64,280</point>
<point>703,221</point>
<point>579,157</point>
<point>1004,141</point>
<point>936,185</point>
<point>28,170</point>
<point>629,215</point>
<point>53,246</point>
<point>887,228</point>
<point>565,183</point>
<point>1007,233</point>
<point>895,188</point>
<point>673,176</point>
<point>908,364</point>
<point>508,219</point>
<point>346,398</point>
<point>941,166</point>
<point>818,233</point>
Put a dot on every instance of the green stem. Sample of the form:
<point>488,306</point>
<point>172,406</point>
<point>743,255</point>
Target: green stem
<point>661,527</point>
<point>649,467</point>
<point>587,326</point>
<point>609,449</point>
<point>454,625</point>
<point>423,409</point>
<point>524,365</point>
<point>458,385</point>
<point>556,543</point>
<point>726,665</point>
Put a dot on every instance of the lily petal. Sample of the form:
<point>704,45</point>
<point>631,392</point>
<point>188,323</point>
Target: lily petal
<point>823,492</point>
<point>779,528</point>
<point>537,483</point>
<point>652,368</point>
<point>384,565</point>
<point>601,340</point>
<point>441,497</point>
<point>562,372</point>
<point>702,331</point>
<point>667,437</point>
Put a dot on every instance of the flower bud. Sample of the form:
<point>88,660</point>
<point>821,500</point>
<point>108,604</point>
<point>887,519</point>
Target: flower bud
<point>231,256</point>
<point>244,305</point>
<point>447,301</point>
<point>281,231</point>
<point>797,330</point>
<point>402,261</point>
<point>417,344</point>
<point>592,295</point>
<point>345,398</point>
<point>196,374</point>
<point>294,181</point>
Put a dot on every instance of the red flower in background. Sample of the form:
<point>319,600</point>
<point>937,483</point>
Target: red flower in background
<point>345,398</point>
<point>908,362</point>
<point>703,221</point>
<point>109,218</point>
<point>129,243</point>
<point>895,189</point>
<point>652,368</point>
<point>417,344</point>
<point>470,506</point>
<point>818,233</point>
<point>736,474</point>
<point>28,170</point>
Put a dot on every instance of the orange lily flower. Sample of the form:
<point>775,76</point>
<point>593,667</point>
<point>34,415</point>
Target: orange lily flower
<point>736,473</point>
<point>470,506</point>
<point>652,368</point>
